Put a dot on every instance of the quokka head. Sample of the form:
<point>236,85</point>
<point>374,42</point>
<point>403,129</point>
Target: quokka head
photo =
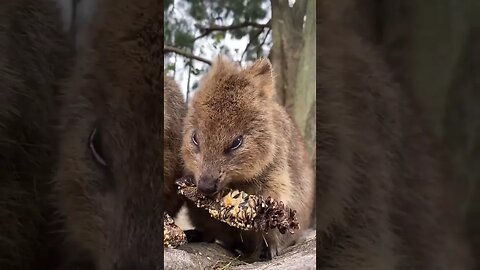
<point>229,136</point>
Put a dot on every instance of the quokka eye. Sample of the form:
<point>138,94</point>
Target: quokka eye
<point>194,139</point>
<point>94,143</point>
<point>236,143</point>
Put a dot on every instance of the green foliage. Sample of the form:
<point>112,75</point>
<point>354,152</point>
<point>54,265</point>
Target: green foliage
<point>185,23</point>
<point>170,66</point>
<point>180,30</point>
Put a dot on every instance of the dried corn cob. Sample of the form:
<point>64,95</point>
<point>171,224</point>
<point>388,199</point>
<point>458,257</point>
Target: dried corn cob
<point>241,210</point>
<point>173,236</point>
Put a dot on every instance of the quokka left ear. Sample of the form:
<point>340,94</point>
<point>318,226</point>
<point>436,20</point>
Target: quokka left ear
<point>221,68</point>
<point>261,67</point>
<point>261,74</point>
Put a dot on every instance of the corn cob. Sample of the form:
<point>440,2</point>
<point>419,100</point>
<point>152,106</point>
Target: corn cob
<point>242,210</point>
<point>173,236</point>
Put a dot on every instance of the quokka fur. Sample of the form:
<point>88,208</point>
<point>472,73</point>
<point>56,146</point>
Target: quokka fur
<point>235,104</point>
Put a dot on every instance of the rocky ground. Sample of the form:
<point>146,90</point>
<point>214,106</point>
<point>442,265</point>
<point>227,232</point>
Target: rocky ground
<point>213,256</point>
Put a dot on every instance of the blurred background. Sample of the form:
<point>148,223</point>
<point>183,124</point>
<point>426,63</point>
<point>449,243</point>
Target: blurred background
<point>433,48</point>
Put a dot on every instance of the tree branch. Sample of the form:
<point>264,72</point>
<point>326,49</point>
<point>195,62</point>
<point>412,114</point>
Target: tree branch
<point>233,26</point>
<point>265,38</point>
<point>250,43</point>
<point>208,30</point>
<point>170,49</point>
<point>253,38</point>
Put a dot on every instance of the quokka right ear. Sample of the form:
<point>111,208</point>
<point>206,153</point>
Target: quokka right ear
<point>262,76</point>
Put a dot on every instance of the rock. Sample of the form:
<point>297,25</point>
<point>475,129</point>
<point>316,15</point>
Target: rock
<point>213,256</point>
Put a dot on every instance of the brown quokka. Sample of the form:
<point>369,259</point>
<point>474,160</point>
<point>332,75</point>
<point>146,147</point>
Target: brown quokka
<point>174,111</point>
<point>381,196</point>
<point>34,57</point>
<point>110,172</point>
<point>237,136</point>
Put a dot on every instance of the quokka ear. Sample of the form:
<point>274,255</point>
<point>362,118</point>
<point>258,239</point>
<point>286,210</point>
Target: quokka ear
<point>262,76</point>
<point>220,62</point>
<point>221,66</point>
<point>261,67</point>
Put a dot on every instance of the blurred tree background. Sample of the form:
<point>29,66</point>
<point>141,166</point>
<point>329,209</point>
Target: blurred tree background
<point>284,31</point>
<point>433,48</point>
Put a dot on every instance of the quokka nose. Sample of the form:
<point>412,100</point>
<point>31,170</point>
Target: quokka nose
<point>208,185</point>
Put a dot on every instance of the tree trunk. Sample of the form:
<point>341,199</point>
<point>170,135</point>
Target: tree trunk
<point>287,47</point>
<point>304,91</point>
<point>293,59</point>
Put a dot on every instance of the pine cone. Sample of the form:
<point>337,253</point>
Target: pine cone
<point>242,210</point>
<point>173,236</point>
